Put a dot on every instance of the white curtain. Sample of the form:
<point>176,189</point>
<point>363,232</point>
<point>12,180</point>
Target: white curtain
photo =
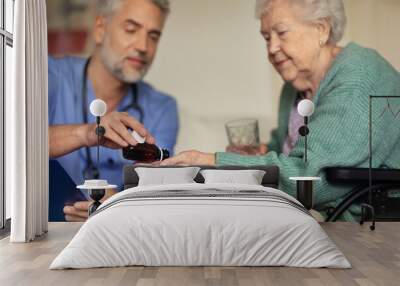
<point>27,124</point>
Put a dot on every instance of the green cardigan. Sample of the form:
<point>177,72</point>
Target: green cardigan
<point>339,127</point>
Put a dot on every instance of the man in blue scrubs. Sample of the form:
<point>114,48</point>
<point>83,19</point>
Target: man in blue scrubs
<point>126,34</point>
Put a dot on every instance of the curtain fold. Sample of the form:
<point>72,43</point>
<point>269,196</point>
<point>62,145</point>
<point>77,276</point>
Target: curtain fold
<point>27,124</point>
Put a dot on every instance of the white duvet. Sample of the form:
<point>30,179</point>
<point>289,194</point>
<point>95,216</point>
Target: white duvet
<point>203,225</point>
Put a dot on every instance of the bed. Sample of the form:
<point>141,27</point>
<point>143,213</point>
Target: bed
<point>201,224</point>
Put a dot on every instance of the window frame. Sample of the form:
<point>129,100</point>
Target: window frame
<point>6,39</point>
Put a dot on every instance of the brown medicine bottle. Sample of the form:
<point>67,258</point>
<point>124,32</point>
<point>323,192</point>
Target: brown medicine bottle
<point>144,152</point>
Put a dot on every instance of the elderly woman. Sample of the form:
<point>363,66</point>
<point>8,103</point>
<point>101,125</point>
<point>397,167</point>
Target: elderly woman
<point>301,38</point>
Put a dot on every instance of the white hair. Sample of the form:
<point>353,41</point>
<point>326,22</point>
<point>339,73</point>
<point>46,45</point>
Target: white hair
<point>332,10</point>
<point>107,7</point>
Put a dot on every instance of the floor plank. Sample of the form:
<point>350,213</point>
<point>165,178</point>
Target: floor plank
<point>375,257</point>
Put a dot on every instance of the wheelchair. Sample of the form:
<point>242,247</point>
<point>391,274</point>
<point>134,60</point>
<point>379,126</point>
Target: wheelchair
<point>384,190</point>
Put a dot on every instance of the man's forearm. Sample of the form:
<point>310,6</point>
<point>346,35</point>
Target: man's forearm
<point>64,139</point>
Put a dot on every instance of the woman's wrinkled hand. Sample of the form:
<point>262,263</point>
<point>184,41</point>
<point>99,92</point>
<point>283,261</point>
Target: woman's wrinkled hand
<point>191,157</point>
<point>145,164</point>
<point>248,150</point>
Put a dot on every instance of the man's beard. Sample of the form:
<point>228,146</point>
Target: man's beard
<point>114,64</point>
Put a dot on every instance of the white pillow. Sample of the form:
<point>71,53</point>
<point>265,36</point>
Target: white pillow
<point>248,177</point>
<point>166,176</point>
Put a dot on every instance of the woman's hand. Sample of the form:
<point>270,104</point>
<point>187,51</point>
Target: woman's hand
<point>191,157</point>
<point>145,164</point>
<point>248,150</point>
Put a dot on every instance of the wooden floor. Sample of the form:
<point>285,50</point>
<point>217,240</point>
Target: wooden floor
<point>375,257</point>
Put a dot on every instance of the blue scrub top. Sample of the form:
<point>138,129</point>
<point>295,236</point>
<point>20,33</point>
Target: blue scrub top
<point>65,107</point>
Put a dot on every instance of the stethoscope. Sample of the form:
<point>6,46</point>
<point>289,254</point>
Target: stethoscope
<point>91,171</point>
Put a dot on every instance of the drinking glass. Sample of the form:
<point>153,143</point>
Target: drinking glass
<point>243,133</point>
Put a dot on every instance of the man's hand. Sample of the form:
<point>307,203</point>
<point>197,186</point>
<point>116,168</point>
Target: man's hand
<point>117,134</point>
<point>64,139</point>
<point>78,212</point>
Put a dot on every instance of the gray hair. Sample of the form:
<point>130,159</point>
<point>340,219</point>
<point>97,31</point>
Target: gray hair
<point>107,7</point>
<point>332,10</point>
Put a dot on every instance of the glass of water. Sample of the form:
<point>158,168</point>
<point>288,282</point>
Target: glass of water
<point>243,133</point>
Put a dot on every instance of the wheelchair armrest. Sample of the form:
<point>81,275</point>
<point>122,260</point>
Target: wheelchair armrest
<point>350,175</point>
<point>382,179</point>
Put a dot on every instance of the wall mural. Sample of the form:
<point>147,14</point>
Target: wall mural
<point>69,26</point>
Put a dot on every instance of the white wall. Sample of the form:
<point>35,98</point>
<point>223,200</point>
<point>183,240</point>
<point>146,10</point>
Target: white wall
<point>376,24</point>
<point>213,60</point>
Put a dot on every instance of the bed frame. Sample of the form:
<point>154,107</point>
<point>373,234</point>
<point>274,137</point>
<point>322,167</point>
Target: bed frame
<point>270,179</point>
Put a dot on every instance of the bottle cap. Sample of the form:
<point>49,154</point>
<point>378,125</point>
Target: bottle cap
<point>137,137</point>
<point>166,154</point>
